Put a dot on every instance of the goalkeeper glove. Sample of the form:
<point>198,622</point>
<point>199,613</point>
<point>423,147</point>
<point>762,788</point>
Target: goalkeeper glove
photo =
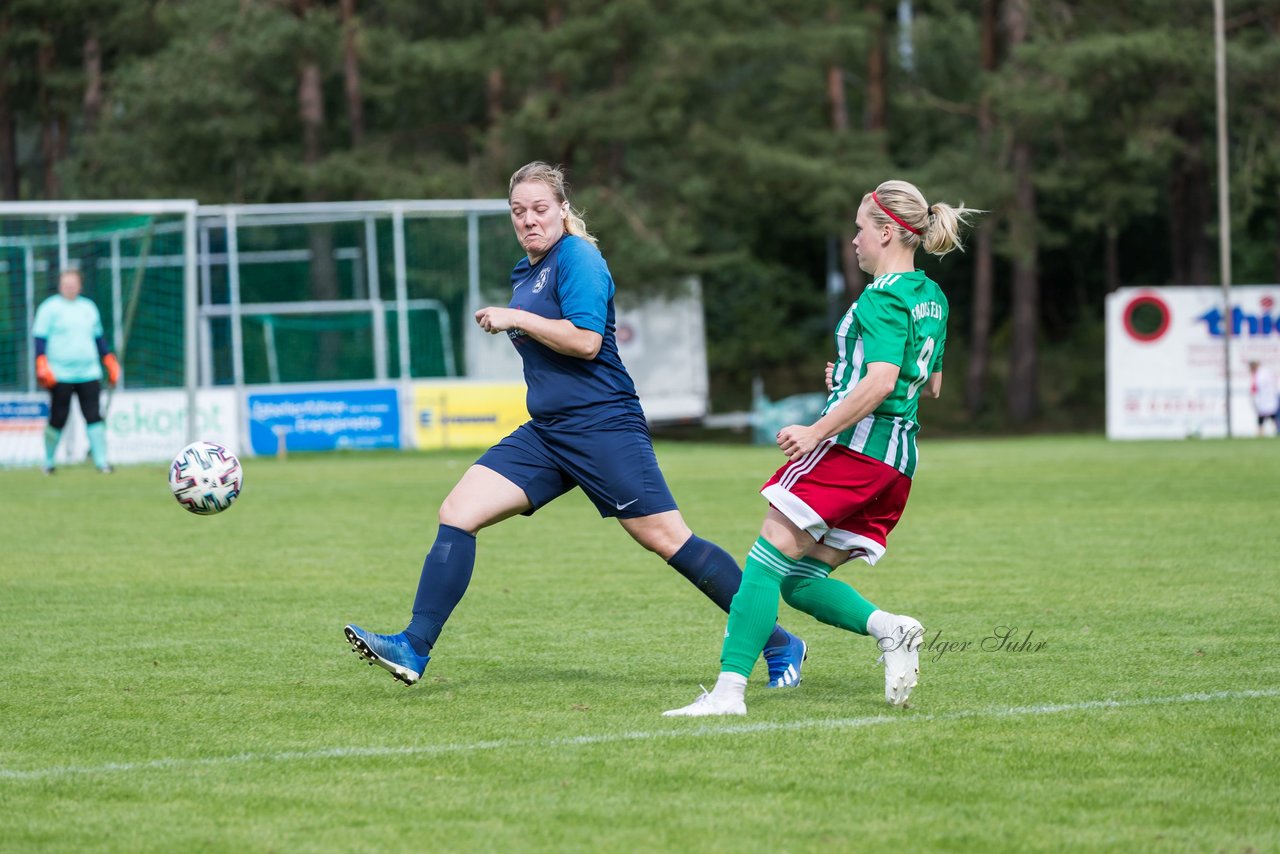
<point>113,368</point>
<point>44,374</point>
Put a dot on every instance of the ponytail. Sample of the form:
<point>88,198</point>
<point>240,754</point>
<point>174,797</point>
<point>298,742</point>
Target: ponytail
<point>943,231</point>
<point>933,227</point>
<point>574,224</point>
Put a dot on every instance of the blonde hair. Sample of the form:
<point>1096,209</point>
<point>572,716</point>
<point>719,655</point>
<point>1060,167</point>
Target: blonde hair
<point>553,178</point>
<point>937,225</point>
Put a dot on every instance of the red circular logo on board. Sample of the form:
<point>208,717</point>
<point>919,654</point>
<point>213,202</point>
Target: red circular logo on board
<point>1146,318</point>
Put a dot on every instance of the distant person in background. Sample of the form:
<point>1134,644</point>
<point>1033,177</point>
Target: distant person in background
<point>71,352</point>
<point>847,476</point>
<point>587,430</point>
<point>1266,396</point>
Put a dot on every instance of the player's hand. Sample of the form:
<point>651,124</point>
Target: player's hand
<point>44,374</point>
<point>494,320</point>
<point>112,365</point>
<point>797,440</point>
<point>831,367</point>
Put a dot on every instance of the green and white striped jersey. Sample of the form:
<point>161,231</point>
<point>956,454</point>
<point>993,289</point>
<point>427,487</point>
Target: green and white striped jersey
<point>899,318</point>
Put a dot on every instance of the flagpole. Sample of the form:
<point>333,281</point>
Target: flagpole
<point>1224,207</point>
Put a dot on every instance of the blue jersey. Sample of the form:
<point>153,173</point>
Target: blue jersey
<point>571,282</point>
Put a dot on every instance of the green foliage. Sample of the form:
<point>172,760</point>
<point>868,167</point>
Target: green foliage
<point>694,131</point>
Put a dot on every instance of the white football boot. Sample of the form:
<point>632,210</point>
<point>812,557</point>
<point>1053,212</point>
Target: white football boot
<point>710,704</point>
<point>900,655</point>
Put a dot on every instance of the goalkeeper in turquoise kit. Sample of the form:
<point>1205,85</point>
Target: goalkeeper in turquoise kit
<point>71,353</point>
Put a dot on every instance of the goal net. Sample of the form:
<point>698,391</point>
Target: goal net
<point>137,263</point>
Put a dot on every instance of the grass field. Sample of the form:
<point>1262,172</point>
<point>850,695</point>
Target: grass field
<point>176,683</point>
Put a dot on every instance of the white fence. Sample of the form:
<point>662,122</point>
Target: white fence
<point>211,307</point>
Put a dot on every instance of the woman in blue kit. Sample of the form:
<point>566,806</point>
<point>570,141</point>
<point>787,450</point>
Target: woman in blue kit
<point>587,430</point>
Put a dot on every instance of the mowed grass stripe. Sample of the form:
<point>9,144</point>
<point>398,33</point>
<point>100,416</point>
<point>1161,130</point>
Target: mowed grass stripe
<point>701,731</point>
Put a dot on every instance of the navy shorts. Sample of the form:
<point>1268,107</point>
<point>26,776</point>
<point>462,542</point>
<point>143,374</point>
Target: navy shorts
<point>615,466</point>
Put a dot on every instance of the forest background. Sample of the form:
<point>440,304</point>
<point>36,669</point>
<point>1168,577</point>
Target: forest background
<point>731,139</point>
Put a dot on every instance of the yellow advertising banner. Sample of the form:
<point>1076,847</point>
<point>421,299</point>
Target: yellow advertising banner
<point>466,415</point>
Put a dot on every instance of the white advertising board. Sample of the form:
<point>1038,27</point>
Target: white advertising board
<point>152,425</point>
<point>142,426</point>
<point>1166,359</point>
<point>661,341</point>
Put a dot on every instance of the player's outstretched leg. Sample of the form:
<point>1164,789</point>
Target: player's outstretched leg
<point>446,572</point>
<point>393,653</point>
<point>714,572</point>
<point>785,661</point>
<point>754,610</point>
<point>808,588</point>
<point>899,638</point>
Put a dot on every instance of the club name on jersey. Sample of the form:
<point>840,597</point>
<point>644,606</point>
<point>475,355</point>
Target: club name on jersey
<point>930,308</point>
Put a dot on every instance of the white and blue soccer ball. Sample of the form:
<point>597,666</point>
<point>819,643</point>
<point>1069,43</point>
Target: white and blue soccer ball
<point>206,477</point>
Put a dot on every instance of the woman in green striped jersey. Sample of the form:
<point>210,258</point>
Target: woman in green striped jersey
<point>847,476</point>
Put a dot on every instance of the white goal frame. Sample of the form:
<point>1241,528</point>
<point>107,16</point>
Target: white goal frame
<point>62,212</point>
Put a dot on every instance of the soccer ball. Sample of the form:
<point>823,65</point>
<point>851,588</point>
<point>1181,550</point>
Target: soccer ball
<point>205,477</point>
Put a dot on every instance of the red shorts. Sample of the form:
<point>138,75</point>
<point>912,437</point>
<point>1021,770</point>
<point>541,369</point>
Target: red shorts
<point>841,498</point>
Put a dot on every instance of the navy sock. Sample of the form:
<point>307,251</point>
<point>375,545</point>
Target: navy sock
<point>445,575</point>
<point>714,571</point>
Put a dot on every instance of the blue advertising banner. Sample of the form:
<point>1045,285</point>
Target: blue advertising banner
<point>324,420</point>
<point>22,421</point>
<point>21,412</point>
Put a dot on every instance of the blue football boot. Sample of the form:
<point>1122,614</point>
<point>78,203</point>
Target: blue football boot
<point>393,653</point>
<point>785,661</point>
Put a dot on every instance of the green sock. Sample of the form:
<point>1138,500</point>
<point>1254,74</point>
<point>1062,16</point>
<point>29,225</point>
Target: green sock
<point>98,443</point>
<point>833,602</point>
<point>754,609</point>
<point>51,437</point>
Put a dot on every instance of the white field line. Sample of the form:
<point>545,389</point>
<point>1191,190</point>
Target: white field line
<point>677,731</point>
